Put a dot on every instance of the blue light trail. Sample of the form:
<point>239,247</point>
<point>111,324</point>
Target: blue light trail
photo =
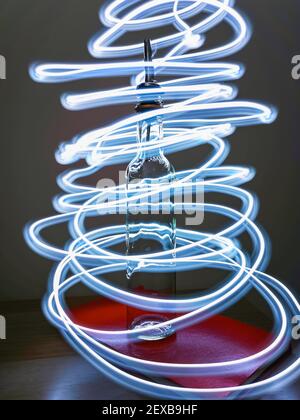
<point>201,110</point>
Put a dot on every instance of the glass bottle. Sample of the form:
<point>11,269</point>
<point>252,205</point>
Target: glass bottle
<point>150,221</point>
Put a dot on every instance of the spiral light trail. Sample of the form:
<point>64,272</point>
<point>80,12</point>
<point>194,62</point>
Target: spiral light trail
<point>201,110</point>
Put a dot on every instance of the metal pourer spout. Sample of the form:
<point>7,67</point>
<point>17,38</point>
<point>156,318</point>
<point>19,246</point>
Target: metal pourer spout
<point>148,102</point>
<point>148,54</point>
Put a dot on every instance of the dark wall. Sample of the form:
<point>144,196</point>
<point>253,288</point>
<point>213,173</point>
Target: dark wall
<point>33,123</point>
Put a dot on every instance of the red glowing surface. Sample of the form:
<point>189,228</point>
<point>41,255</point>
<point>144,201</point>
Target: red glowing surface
<point>218,339</point>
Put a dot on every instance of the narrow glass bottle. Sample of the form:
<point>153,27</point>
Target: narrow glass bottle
<point>151,228</point>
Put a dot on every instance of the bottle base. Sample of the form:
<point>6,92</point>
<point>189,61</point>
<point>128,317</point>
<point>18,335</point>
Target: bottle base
<point>158,333</point>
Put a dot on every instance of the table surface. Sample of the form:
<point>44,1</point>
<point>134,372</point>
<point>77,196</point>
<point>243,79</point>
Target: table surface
<point>36,364</point>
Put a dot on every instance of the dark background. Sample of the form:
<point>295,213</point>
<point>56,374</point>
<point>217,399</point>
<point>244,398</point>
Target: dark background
<point>33,123</point>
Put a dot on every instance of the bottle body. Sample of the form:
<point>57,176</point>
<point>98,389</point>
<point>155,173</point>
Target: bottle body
<point>151,229</point>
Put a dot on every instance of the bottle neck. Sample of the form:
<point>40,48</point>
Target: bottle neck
<point>150,132</point>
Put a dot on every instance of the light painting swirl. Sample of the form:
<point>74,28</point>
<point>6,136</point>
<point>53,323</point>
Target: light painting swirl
<point>201,110</point>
